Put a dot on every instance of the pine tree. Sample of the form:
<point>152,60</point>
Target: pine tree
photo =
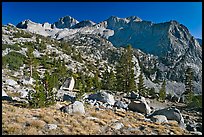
<point>141,86</point>
<point>188,81</point>
<point>111,82</point>
<point>30,59</point>
<point>89,84</point>
<point>125,72</point>
<point>189,85</point>
<point>162,92</point>
<point>104,81</point>
<point>96,81</point>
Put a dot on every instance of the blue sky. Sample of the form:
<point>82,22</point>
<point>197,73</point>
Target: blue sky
<point>186,13</point>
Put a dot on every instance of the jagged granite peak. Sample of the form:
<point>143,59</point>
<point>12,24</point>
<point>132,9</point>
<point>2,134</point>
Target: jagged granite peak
<point>65,22</point>
<point>134,18</point>
<point>24,24</point>
<point>85,23</point>
<point>46,25</point>
<point>199,41</point>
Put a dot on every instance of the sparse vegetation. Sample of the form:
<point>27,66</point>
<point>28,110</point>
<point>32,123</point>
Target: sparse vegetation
<point>22,34</point>
<point>162,92</point>
<point>13,47</point>
<point>14,60</point>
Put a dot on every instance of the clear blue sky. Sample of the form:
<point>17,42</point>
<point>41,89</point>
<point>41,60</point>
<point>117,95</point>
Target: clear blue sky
<point>187,13</point>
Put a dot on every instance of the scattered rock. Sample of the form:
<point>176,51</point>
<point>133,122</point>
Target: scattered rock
<point>196,133</point>
<point>159,118</point>
<point>5,96</point>
<point>139,106</point>
<point>132,95</point>
<point>51,126</point>
<point>120,104</point>
<point>171,113</point>
<point>190,127</point>
<point>4,93</point>
<point>68,84</point>
<point>199,127</point>
<point>73,108</point>
<point>102,96</point>
<point>92,118</point>
<point>11,82</point>
<point>64,95</point>
<point>117,125</point>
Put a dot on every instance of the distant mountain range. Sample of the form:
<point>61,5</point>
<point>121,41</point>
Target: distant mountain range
<point>162,50</point>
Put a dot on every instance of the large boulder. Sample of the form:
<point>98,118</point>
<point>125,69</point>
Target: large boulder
<point>5,96</point>
<point>102,96</point>
<point>4,93</point>
<point>132,95</point>
<point>139,106</point>
<point>76,107</point>
<point>171,113</point>
<point>120,104</point>
<point>11,82</point>
<point>68,84</point>
<point>64,95</point>
<point>159,118</point>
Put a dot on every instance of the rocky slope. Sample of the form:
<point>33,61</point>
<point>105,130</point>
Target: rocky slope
<point>97,53</point>
<point>178,49</point>
<point>50,121</point>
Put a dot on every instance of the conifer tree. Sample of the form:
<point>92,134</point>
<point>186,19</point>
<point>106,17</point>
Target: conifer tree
<point>188,81</point>
<point>141,86</point>
<point>30,59</point>
<point>89,84</point>
<point>189,85</point>
<point>104,81</point>
<point>111,82</point>
<point>125,72</point>
<point>162,92</point>
<point>96,81</point>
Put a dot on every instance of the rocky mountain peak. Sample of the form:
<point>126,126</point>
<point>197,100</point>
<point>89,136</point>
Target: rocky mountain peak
<point>134,18</point>
<point>24,24</point>
<point>85,23</point>
<point>65,22</point>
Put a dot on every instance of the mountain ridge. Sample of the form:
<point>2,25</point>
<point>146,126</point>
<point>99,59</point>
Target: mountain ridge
<point>178,49</point>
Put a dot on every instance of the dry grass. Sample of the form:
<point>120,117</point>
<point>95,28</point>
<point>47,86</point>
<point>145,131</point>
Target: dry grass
<point>31,131</point>
<point>37,123</point>
<point>13,94</point>
<point>13,128</point>
<point>14,119</point>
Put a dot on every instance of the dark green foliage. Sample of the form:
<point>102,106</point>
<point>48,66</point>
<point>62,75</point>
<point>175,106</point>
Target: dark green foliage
<point>188,81</point>
<point>67,49</point>
<point>125,72</point>
<point>41,47</point>
<point>96,81</point>
<point>89,84</point>
<point>14,60</point>
<point>162,92</point>
<point>77,57</point>
<point>196,101</point>
<point>111,81</point>
<point>22,34</point>
<point>44,95</point>
<point>37,99</point>
<point>141,86</point>
<point>14,47</point>
<point>30,60</point>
